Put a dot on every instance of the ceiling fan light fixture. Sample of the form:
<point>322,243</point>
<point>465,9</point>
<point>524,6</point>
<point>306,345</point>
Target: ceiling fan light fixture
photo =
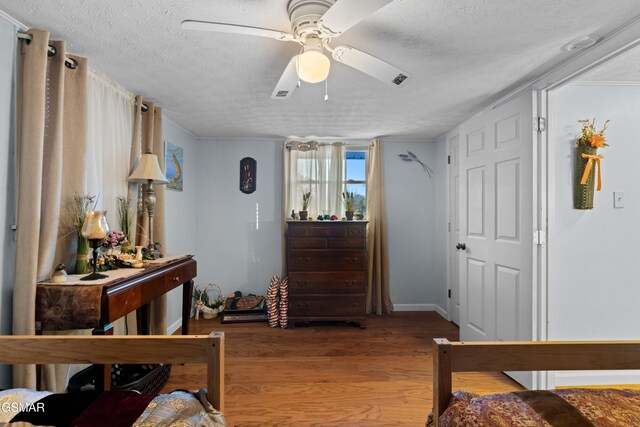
<point>313,65</point>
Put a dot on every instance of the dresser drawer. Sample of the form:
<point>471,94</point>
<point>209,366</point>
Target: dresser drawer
<point>346,243</point>
<point>318,229</point>
<point>344,260</point>
<point>326,306</point>
<point>357,230</point>
<point>307,243</point>
<point>330,282</point>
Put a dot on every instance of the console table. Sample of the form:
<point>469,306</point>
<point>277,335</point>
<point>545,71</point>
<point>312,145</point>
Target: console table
<point>97,304</point>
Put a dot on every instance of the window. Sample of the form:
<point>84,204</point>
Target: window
<point>356,177</point>
<point>326,171</point>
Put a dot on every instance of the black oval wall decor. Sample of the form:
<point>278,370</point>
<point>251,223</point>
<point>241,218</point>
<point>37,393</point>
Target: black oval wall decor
<point>248,175</point>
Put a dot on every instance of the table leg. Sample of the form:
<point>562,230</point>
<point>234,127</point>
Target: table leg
<point>142,320</point>
<point>103,372</point>
<point>187,295</point>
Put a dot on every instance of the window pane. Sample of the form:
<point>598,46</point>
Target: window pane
<point>360,195</point>
<point>356,166</point>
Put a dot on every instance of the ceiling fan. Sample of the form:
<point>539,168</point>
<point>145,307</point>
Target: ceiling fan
<point>314,23</point>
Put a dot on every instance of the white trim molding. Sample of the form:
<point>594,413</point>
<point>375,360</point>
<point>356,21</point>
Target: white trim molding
<point>174,326</point>
<point>421,307</point>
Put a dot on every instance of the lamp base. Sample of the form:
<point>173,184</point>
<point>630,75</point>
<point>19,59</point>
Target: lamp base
<point>94,276</point>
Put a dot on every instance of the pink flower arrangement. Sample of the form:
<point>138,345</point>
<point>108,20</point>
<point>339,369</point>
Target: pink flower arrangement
<point>113,239</point>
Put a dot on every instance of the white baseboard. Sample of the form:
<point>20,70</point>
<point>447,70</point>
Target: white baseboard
<point>582,378</point>
<point>421,307</point>
<point>174,326</point>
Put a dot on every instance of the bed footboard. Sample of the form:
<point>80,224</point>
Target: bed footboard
<point>189,349</point>
<point>451,357</point>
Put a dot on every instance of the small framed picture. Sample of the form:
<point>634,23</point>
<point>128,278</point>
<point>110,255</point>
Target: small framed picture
<point>174,165</point>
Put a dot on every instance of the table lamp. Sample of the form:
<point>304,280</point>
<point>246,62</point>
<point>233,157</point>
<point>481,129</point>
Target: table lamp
<point>148,172</point>
<point>94,229</point>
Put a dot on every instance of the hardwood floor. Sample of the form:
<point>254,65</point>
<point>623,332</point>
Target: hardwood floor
<point>332,374</point>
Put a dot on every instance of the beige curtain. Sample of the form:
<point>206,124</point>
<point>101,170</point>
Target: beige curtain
<point>51,144</point>
<point>378,298</point>
<point>149,124</point>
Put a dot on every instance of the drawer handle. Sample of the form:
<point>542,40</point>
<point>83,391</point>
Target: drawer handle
<point>350,282</point>
<point>302,282</point>
<point>355,304</point>
<point>304,259</point>
<point>307,244</point>
<point>350,260</point>
<point>176,279</point>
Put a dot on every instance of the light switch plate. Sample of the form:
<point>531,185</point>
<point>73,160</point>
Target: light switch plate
<point>618,199</point>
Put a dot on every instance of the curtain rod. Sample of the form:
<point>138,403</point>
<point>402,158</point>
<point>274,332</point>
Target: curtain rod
<point>312,144</point>
<point>69,62</point>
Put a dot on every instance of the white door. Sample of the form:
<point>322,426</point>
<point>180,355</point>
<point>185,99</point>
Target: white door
<point>454,227</point>
<point>496,225</point>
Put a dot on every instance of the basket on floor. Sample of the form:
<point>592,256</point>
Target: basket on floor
<point>146,379</point>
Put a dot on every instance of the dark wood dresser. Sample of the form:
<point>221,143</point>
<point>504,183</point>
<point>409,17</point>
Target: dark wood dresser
<point>327,263</point>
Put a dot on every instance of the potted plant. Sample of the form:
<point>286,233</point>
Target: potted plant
<point>349,204</point>
<point>306,200</point>
<point>125,220</point>
<point>207,305</point>
<point>76,208</point>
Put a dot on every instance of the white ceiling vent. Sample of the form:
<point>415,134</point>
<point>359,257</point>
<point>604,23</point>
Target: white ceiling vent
<point>581,43</point>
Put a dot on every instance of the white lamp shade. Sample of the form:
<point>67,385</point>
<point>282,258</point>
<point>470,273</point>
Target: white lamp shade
<point>313,65</point>
<point>95,225</point>
<point>148,169</point>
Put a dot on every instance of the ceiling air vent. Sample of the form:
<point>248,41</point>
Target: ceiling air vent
<point>282,93</point>
<point>399,79</point>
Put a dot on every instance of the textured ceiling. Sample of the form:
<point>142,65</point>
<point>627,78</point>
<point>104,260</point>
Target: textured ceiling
<point>460,54</point>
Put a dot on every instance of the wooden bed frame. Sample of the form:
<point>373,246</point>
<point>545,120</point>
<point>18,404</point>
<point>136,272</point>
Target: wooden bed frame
<point>451,357</point>
<point>190,349</point>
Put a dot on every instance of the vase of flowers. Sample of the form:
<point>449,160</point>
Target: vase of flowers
<point>114,241</point>
<point>208,305</point>
<point>588,173</point>
<point>76,208</point>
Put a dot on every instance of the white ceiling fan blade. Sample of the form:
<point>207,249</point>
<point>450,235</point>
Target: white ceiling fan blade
<point>344,14</point>
<point>220,27</point>
<point>371,65</point>
<point>288,81</point>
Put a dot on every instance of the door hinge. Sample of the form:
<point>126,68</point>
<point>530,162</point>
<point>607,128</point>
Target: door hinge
<point>449,293</point>
<point>540,124</point>
<point>539,237</point>
<point>448,226</point>
<point>448,160</point>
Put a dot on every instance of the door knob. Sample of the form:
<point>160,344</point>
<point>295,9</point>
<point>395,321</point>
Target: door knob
<point>462,246</point>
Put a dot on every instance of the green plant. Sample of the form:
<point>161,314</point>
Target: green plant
<point>306,200</point>
<point>124,216</point>
<point>349,201</point>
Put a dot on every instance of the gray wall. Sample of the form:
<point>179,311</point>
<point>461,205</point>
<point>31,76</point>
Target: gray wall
<point>239,234</point>
<point>7,183</point>
<point>181,220</point>
<point>593,290</point>
<point>414,279</point>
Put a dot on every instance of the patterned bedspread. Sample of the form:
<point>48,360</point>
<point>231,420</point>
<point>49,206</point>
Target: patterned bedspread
<point>120,408</point>
<point>557,408</point>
